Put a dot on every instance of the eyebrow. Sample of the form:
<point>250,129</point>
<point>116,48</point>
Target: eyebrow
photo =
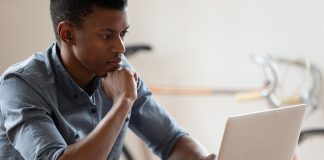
<point>112,30</point>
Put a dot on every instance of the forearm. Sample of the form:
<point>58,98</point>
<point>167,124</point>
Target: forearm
<point>100,141</point>
<point>189,149</point>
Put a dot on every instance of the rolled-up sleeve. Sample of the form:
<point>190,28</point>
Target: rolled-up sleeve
<point>152,123</point>
<point>27,120</point>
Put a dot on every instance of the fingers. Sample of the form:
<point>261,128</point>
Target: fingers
<point>135,75</point>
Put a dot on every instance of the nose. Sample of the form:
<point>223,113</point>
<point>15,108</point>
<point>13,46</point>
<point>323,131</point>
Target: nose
<point>118,45</point>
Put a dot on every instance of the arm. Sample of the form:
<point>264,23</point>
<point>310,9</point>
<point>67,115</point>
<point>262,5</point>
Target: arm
<point>120,86</point>
<point>188,148</point>
<point>100,141</point>
<point>25,119</point>
<point>162,133</point>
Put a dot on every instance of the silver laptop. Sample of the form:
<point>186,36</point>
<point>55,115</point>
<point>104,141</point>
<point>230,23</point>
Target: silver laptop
<point>265,135</point>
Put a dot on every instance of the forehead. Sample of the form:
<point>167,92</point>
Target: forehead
<point>106,18</point>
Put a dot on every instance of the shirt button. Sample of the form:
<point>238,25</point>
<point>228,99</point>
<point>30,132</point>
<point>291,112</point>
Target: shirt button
<point>93,110</point>
<point>76,136</point>
<point>75,96</point>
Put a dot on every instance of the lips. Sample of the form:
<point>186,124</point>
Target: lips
<point>117,60</point>
<point>114,64</point>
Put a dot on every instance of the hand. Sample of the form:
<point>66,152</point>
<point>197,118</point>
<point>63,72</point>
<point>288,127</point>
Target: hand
<point>120,84</point>
<point>210,157</point>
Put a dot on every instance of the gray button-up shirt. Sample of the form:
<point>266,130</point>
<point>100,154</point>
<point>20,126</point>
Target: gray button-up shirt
<point>43,110</point>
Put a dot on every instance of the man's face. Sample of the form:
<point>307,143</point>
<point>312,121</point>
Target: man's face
<point>98,43</point>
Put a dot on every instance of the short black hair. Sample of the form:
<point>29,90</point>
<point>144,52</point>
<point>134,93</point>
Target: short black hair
<point>74,11</point>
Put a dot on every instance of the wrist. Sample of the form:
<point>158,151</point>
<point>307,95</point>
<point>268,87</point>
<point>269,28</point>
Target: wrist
<point>125,98</point>
<point>124,102</point>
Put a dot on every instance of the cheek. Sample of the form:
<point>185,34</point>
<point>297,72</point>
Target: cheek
<point>83,54</point>
<point>92,56</point>
<point>91,52</point>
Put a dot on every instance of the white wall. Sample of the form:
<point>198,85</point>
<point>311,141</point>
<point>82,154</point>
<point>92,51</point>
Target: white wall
<point>209,43</point>
<point>25,28</point>
<point>206,43</point>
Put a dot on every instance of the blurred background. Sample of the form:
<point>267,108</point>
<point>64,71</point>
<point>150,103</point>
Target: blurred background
<point>206,44</point>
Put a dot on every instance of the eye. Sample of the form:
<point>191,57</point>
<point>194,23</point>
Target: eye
<point>107,36</point>
<point>123,34</point>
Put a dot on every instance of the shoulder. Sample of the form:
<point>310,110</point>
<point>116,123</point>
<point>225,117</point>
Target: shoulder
<point>35,70</point>
<point>28,82</point>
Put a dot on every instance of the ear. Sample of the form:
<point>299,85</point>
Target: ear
<point>64,31</point>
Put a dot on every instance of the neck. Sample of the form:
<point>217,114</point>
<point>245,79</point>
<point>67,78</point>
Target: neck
<point>77,71</point>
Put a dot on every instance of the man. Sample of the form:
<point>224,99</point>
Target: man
<point>76,99</point>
